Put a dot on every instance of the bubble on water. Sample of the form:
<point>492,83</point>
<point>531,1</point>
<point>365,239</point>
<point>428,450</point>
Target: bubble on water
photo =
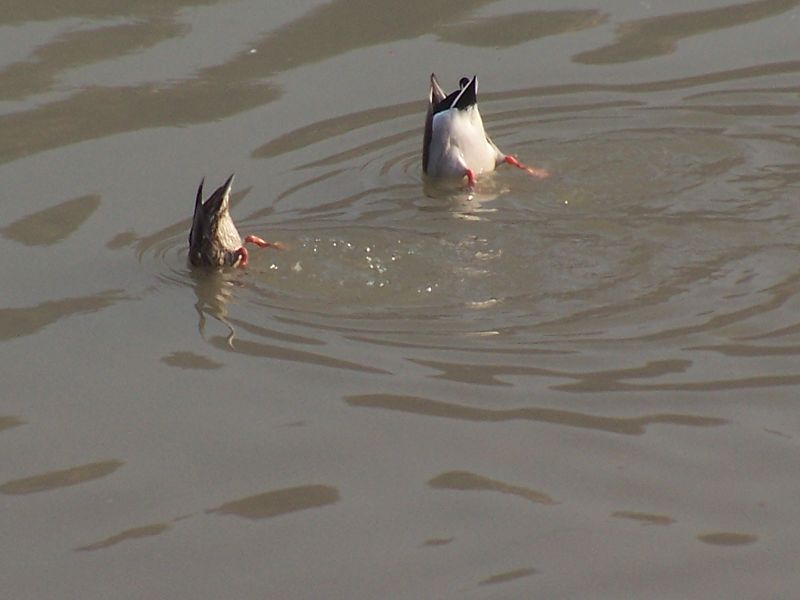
<point>480,304</point>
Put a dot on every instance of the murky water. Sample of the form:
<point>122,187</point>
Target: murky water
<point>582,387</point>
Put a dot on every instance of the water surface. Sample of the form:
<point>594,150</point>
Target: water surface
<point>577,387</point>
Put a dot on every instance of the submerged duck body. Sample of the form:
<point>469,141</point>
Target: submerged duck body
<point>455,143</point>
<point>214,240</point>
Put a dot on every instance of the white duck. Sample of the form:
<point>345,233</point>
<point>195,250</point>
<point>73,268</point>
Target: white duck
<point>214,240</point>
<point>455,142</point>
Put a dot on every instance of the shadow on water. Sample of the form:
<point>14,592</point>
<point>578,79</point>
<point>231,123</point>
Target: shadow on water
<point>448,410</point>
<point>96,112</point>
<point>506,576</point>
<point>133,533</point>
<point>20,11</point>
<point>283,353</point>
<point>483,374</point>
<point>9,422</point>
<point>210,94</point>
<point>279,502</point>
<point>39,73</point>
<point>59,479</point>
<point>19,322</point>
<point>596,335</point>
<point>504,31</point>
<point>656,36</point>
<point>267,505</point>
<point>190,360</point>
<point>643,518</point>
<point>237,85</point>
<point>727,538</point>
<point>52,225</point>
<point>466,481</point>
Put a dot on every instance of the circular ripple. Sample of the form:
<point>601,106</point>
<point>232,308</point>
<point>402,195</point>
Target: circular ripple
<point>617,231</point>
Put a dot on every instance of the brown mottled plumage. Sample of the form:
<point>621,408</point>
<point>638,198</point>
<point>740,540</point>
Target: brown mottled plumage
<point>214,240</point>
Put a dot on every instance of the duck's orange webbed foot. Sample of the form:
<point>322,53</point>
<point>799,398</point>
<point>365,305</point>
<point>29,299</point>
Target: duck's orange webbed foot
<point>471,180</point>
<point>241,261</point>
<point>538,173</point>
<point>261,243</point>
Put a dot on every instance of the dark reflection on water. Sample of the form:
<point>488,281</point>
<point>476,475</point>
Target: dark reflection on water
<point>274,334</point>
<point>9,422</point>
<point>484,374</point>
<point>214,92</point>
<point>122,240</point>
<point>727,538</point>
<point>643,518</point>
<point>237,85</point>
<point>60,479</point>
<point>655,270</point>
<point>272,351</point>
<point>469,345</point>
<point>359,23</point>
<point>449,410</point>
<point>52,225</point>
<point>18,322</point>
<point>214,290</point>
<point>190,360</point>
<point>260,506</point>
<point>612,380</point>
<point>466,481</point>
<point>96,112</point>
<point>771,110</point>
<point>750,350</point>
<point>129,534</point>
<point>677,83</point>
<point>508,576</point>
<point>656,36</point>
<point>437,541</point>
<point>503,31</point>
<point>76,48</point>
<point>280,502</point>
<point>329,128</point>
<point>715,385</point>
<point>20,11</point>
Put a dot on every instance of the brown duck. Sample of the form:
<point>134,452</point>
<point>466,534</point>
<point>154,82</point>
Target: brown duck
<point>214,240</point>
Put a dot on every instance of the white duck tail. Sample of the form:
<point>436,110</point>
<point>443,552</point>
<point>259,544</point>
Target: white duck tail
<point>455,143</point>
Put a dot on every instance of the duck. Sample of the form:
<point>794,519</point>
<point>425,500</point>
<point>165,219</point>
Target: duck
<point>455,143</point>
<point>214,240</point>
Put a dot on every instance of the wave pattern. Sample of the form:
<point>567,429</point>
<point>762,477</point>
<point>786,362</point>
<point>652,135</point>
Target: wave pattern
<point>661,223</point>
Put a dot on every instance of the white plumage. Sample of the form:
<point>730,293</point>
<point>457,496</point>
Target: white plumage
<point>456,144</point>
